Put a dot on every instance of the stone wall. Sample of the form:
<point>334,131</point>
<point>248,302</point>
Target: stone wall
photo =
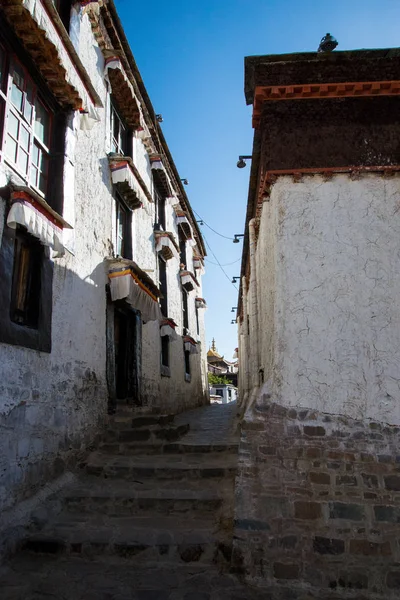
<point>318,505</point>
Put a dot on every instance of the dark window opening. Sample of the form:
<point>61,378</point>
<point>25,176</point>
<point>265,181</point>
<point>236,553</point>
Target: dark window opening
<point>219,392</point>
<point>182,249</point>
<point>121,136</point>
<point>162,274</point>
<point>124,230</point>
<point>187,362</point>
<point>165,351</point>
<point>197,321</point>
<point>64,11</point>
<point>160,207</point>
<point>185,312</point>
<point>25,294</point>
<point>31,128</point>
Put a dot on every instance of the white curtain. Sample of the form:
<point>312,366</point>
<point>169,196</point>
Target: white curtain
<point>125,287</point>
<point>23,213</point>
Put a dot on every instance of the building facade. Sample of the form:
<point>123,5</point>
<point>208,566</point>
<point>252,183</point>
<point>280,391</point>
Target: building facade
<point>319,328</point>
<point>101,258</point>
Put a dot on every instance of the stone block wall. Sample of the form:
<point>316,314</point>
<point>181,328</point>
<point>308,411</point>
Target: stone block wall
<point>318,505</point>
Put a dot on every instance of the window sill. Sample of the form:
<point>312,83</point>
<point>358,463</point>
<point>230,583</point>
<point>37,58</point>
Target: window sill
<point>188,377</point>
<point>165,371</point>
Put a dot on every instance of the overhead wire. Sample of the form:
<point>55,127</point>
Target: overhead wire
<point>223,265</point>
<point>219,264</point>
<point>209,227</point>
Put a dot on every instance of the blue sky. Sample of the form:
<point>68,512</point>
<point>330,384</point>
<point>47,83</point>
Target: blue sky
<point>190,55</point>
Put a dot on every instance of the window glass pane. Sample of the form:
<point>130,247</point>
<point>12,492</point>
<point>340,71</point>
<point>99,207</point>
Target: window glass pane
<point>34,176</point>
<point>11,148</point>
<point>22,161</point>
<point>42,185</point>
<point>42,123</point>
<point>24,138</point>
<point>17,87</point>
<point>12,125</point>
<point>28,104</point>
<point>35,155</point>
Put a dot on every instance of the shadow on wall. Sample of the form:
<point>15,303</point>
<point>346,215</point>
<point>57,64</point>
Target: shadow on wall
<point>53,404</point>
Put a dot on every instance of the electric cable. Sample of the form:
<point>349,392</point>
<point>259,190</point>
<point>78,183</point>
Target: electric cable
<point>209,227</point>
<point>225,264</point>
<point>219,264</point>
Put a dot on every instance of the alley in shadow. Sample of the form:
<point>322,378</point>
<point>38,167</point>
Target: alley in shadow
<point>148,517</point>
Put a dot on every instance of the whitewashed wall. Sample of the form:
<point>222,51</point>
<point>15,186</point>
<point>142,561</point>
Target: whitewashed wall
<point>328,274</point>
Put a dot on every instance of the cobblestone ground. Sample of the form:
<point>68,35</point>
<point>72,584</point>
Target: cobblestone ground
<point>149,517</point>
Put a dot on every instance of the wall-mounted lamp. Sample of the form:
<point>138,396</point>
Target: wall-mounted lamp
<point>200,222</point>
<point>185,181</point>
<point>234,308</point>
<point>242,161</point>
<point>236,237</point>
<point>159,118</point>
<point>233,322</point>
<point>235,279</point>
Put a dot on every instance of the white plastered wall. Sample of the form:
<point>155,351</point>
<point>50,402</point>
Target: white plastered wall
<point>328,260</point>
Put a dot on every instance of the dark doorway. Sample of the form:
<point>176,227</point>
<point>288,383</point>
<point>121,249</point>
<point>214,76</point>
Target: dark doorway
<point>126,355</point>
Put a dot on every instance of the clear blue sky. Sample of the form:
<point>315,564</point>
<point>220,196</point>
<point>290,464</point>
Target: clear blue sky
<point>190,54</point>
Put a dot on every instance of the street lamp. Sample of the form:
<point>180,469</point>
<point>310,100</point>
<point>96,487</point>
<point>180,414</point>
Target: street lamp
<point>236,237</point>
<point>242,161</point>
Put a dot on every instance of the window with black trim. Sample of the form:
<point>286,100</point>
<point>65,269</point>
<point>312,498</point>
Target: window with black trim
<point>123,229</point>
<point>31,128</point>
<point>197,321</point>
<point>165,350</point>
<point>25,292</point>
<point>185,312</point>
<point>187,363</point>
<point>121,136</point>
<point>64,10</point>
<point>182,249</point>
<point>162,275</point>
<point>160,208</point>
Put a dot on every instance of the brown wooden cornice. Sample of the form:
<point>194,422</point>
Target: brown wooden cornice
<point>320,90</point>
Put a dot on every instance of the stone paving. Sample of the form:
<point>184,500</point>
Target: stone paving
<point>144,520</point>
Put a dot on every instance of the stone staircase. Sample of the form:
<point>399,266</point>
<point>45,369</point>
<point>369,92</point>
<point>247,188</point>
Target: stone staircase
<point>155,497</point>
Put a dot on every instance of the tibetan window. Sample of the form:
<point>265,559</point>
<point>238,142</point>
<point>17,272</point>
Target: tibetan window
<point>31,131</point>
<point>25,294</point>
<point>123,229</point>
<point>121,142</point>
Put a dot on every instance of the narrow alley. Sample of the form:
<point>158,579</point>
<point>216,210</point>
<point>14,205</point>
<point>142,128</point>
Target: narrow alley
<point>149,516</point>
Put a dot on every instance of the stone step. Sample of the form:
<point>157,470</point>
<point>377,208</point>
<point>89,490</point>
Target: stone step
<point>163,447</point>
<point>115,498</point>
<point>70,577</point>
<point>140,539</point>
<point>145,434</point>
<point>126,420</point>
<point>161,466</point>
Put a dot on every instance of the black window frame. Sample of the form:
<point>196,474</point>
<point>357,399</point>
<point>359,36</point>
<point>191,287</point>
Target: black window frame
<point>182,252</point>
<point>187,364</point>
<point>161,221</point>
<point>26,279</point>
<point>36,336</point>
<point>123,146</point>
<point>121,206</point>
<point>165,346</point>
<point>163,285</point>
<point>185,311</point>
